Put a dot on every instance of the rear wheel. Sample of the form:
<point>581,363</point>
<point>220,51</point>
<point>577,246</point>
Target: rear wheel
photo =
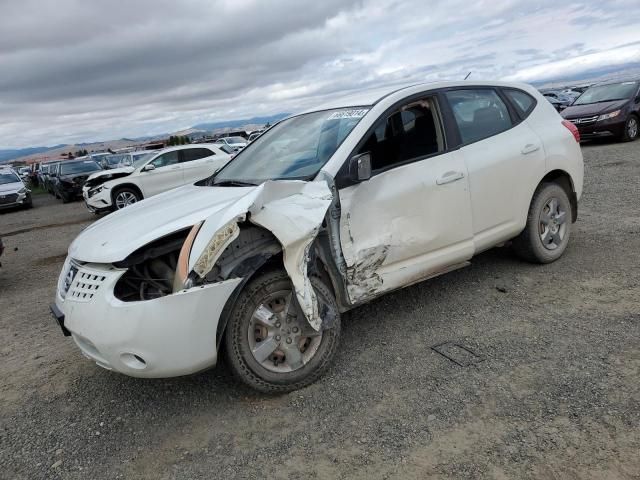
<point>269,343</point>
<point>548,229</point>
<point>631,129</point>
<point>123,197</point>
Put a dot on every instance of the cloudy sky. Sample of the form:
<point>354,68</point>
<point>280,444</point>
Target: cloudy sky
<point>83,70</point>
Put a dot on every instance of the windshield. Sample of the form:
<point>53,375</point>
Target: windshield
<point>85,166</point>
<point>296,148</point>
<point>113,159</point>
<point>8,177</point>
<point>607,93</point>
<point>140,159</point>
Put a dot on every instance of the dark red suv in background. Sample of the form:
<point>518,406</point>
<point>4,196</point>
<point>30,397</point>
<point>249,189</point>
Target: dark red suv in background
<point>607,109</point>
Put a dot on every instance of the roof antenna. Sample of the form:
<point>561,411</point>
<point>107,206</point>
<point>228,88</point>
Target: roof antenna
<point>468,75</point>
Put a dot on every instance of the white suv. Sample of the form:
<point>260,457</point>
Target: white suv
<point>325,211</point>
<point>150,174</point>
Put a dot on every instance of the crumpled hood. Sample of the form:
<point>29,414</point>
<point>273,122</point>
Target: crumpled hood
<point>102,176</point>
<point>112,171</point>
<point>575,111</point>
<point>119,234</point>
<point>12,187</point>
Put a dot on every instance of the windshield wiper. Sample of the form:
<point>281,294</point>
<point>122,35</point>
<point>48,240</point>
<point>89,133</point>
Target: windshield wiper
<point>233,183</point>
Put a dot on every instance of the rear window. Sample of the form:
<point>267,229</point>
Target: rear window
<point>191,154</point>
<point>479,113</point>
<point>523,102</point>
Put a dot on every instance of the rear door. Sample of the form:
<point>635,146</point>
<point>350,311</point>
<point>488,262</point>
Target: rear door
<point>503,155</point>
<point>166,175</point>
<point>198,163</point>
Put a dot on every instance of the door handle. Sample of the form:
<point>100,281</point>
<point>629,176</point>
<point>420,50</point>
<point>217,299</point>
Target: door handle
<point>530,148</point>
<point>175,168</point>
<point>449,177</point>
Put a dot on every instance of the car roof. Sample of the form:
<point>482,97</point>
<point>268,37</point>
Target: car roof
<point>372,96</point>
<point>616,80</point>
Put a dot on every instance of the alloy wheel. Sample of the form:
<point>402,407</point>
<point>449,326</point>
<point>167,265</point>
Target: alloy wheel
<point>124,199</point>
<point>553,228</point>
<point>280,338</point>
<point>632,128</point>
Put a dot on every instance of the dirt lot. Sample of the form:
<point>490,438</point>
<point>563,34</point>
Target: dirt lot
<point>553,390</point>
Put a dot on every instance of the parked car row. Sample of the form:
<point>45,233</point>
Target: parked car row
<point>325,211</point>
<point>605,109</point>
<point>608,109</point>
<point>64,179</point>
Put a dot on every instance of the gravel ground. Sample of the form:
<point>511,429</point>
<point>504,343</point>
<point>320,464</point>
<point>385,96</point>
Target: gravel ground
<point>550,388</point>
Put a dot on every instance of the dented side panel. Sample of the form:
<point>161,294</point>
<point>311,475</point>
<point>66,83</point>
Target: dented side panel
<point>401,226</point>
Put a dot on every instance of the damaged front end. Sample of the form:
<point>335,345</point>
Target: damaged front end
<point>98,179</point>
<point>276,218</point>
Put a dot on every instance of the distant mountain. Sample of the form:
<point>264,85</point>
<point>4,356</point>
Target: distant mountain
<point>240,123</point>
<point>10,154</point>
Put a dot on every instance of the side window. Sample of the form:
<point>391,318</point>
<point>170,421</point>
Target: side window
<point>191,154</point>
<point>479,113</point>
<point>169,158</point>
<point>411,132</point>
<point>523,102</point>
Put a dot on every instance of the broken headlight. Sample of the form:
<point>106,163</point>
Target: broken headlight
<point>207,259</point>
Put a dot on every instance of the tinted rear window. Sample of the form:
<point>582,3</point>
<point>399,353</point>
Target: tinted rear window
<point>523,102</point>
<point>479,113</point>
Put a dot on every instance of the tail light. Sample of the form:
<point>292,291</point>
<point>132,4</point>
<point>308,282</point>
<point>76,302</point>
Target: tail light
<point>573,129</point>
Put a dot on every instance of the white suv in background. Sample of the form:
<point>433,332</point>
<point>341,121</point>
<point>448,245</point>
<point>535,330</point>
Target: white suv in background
<point>151,174</point>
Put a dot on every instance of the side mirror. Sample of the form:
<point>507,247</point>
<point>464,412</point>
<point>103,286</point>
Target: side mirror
<point>360,167</point>
<point>638,99</point>
<point>149,167</point>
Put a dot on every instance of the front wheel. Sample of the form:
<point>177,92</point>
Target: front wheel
<point>631,129</point>
<point>269,343</point>
<point>548,228</point>
<point>124,197</point>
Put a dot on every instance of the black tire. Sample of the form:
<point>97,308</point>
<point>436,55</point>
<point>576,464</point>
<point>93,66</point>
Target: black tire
<point>529,245</point>
<point>238,353</point>
<point>631,129</point>
<point>65,198</point>
<point>127,190</point>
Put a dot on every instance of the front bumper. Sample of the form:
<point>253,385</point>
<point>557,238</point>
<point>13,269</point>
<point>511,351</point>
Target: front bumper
<point>165,337</point>
<point>97,202</point>
<point>607,128</point>
<point>14,200</point>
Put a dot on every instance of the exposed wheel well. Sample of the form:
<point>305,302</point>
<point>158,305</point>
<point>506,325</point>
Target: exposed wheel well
<point>563,179</point>
<point>274,262</point>
<point>131,186</point>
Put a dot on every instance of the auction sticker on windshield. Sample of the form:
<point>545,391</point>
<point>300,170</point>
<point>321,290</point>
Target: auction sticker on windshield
<point>348,114</point>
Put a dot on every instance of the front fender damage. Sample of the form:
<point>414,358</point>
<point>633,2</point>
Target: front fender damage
<point>293,211</point>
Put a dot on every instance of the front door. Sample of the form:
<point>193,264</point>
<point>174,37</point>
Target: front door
<point>412,219</point>
<point>166,175</point>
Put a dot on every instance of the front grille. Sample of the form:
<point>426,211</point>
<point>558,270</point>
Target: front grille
<point>8,198</point>
<point>584,121</point>
<point>84,286</point>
